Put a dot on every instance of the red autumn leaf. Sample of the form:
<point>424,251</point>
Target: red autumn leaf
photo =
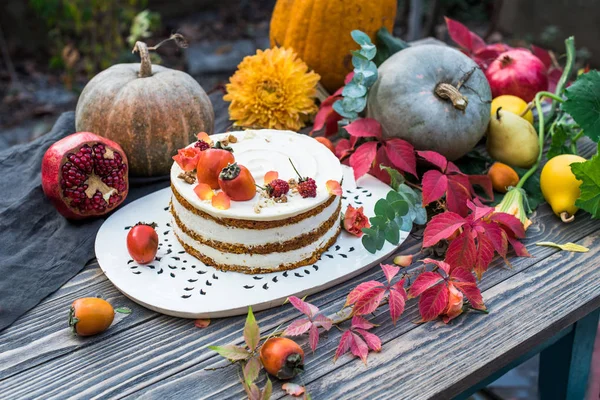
<point>463,36</point>
<point>368,301</point>
<point>202,323</point>
<point>342,148</point>
<point>344,345</point>
<point>442,226</point>
<point>519,247</point>
<point>298,327</point>
<point>397,301</point>
<point>361,323</point>
<point>485,254</point>
<point>359,348</point>
<point>381,159</point>
<point>462,251</point>
<point>484,57</point>
<point>305,308</point>
<point>433,302</point>
<point>372,340</point>
<point>457,196</point>
<point>424,281</point>
<point>434,158</point>
<point>323,321</point>
<point>313,337</point>
<point>464,281</point>
<point>443,265</point>
<point>497,236</point>
<point>543,55</point>
<point>402,155</point>
<point>364,127</point>
<point>510,222</point>
<point>485,183</point>
<point>362,158</point>
<point>359,290</point>
<point>479,211</point>
<point>389,271</point>
<point>435,185</point>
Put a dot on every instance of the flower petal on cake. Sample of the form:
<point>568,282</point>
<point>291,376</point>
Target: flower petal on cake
<point>187,158</point>
<point>221,201</point>
<point>271,176</point>
<point>334,187</point>
<point>204,191</point>
<point>204,137</point>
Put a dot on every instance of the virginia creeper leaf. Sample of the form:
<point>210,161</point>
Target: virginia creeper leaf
<point>313,337</point>
<point>390,271</point>
<point>251,331</point>
<point>457,196</point>
<point>464,281</point>
<point>362,158</point>
<point>397,301</point>
<point>305,308</point>
<point>462,251</point>
<point>433,302</point>
<point>323,321</point>
<point>485,254</point>
<point>369,301</point>
<point>364,127</point>
<point>293,389</point>
<point>435,185</point>
<point>361,323</point>
<point>463,36</point>
<point>443,265</point>
<point>298,327</point>
<point>424,281</point>
<point>358,291</point>
<point>372,340</point>
<point>267,391</point>
<point>359,348</point>
<point>402,155</point>
<point>441,226</point>
<point>344,345</point>
<point>251,370</point>
<point>434,158</point>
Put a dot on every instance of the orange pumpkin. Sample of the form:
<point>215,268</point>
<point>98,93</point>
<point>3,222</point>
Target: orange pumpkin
<point>319,31</point>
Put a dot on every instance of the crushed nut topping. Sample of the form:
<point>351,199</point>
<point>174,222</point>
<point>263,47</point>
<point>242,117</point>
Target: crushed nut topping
<point>281,199</point>
<point>188,177</point>
<point>232,139</point>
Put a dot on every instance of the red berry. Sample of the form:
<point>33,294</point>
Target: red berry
<point>202,145</point>
<point>277,188</point>
<point>307,188</point>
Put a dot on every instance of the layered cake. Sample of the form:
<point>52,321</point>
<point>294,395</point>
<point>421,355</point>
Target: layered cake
<point>262,234</point>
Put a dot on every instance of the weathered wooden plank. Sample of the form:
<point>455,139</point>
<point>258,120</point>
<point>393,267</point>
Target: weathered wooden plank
<point>223,384</point>
<point>151,351</point>
<point>43,333</point>
<point>434,360</point>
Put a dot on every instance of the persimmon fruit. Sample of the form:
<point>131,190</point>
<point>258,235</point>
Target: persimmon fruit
<point>282,357</point>
<point>90,316</point>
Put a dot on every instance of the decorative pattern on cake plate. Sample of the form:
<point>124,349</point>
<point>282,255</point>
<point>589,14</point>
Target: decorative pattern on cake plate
<point>178,284</point>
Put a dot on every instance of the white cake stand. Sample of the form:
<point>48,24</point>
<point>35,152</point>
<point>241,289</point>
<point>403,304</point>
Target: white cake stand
<point>180,285</point>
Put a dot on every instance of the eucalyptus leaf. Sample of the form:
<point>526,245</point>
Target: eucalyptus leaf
<point>354,90</point>
<point>383,208</point>
<point>395,176</point>
<point>354,104</point>
<point>369,244</point>
<point>368,50</point>
<point>420,215</point>
<point>393,196</point>
<point>399,207</point>
<point>379,240</point>
<point>360,62</point>
<point>392,233</point>
<point>339,108</point>
<point>360,37</point>
<point>378,221</point>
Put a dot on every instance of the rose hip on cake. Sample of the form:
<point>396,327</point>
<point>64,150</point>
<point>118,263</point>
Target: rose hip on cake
<point>210,164</point>
<point>237,182</point>
<point>276,188</point>
<point>307,187</point>
<point>85,175</point>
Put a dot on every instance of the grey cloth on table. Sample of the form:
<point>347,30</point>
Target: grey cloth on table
<point>40,250</point>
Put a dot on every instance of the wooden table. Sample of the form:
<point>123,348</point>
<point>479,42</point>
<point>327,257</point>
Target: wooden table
<point>552,297</point>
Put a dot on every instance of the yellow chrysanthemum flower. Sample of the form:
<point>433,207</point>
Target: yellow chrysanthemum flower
<point>272,89</point>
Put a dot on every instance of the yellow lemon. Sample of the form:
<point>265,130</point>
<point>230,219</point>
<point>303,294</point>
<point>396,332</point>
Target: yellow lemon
<point>513,104</point>
<point>559,185</point>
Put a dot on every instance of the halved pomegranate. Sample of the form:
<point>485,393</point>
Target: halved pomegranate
<point>85,175</point>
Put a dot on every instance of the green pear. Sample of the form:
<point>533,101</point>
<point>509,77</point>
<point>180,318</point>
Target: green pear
<point>512,140</point>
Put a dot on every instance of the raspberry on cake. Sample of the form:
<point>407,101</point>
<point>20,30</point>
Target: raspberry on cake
<point>281,234</point>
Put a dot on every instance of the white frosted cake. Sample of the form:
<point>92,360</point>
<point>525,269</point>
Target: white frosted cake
<point>262,235</point>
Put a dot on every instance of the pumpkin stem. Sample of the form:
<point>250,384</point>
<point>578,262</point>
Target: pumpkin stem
<point>566,217</point>
<point>143,49</point>
<point>498,113</point>
<point>448,92</point>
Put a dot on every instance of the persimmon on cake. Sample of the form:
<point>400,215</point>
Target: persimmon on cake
<point>262,234</point>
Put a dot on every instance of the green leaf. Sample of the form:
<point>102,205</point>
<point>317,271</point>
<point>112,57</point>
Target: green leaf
<point>421,215</point>
<point>383,208</point>
<point>395,176</point>
<point>231,352</point>
<point>387,45</point>
<point>379,240</point>
<point>400,208</point>
<point>354,104</point>
<point>572,247</point>
<point>589,174</point>
<point>360,62</point>
<point>339,108</point>
<point>378,221</point>
<point>474,163</point>
<point>393,196</point>
<point>360,37</point>
<point>354,90</point>
<point>251,370</point>
<point>368,242</point>
<point>267,391</point>
<point>583,103</point>
<point>559,145</point>
<point>123,310</point>
<point>251,331</point>
<point>409,194</point>
<point>392,233</point>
